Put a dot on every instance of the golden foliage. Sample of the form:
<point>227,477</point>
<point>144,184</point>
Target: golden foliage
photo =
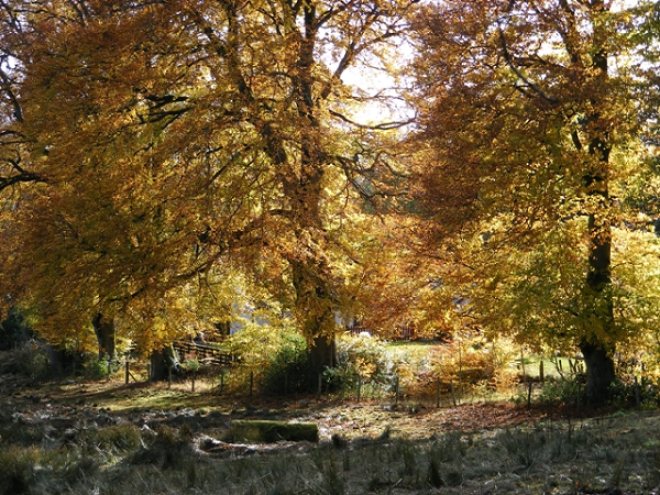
<point>180,149</point>
<point>529,146</point>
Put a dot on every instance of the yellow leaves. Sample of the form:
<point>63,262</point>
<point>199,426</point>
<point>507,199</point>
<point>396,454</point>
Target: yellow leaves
<point>193,162</point>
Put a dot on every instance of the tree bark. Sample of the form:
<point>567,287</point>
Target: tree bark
<point>600,371</point>
<point>598,344</point>
<point>105,334</point>
<point>161,362</point>
<point>314,308</point>
<point>322,354</point>
<point>62,362</point>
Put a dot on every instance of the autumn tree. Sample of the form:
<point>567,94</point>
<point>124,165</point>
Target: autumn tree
<point>530,126</point>
<point>170,145</point>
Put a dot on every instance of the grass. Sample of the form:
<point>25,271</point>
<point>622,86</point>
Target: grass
<point>621,451</point>
<point>553,369</point>
<point>471,449</point>
<point>415,350</point>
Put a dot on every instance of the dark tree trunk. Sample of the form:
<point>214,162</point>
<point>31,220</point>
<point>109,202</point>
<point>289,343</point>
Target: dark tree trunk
<point>223,328</point>
<point>600,371</point>
<point>322,354</point>
<point>62,362</point>
<point>105,334</point>
<point>597,352</point>
<point>598,344</point>
<point>317,321</point>
<point>158,371</point>
<point>161,362</point>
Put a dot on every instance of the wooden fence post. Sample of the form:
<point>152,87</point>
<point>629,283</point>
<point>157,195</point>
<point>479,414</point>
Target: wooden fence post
<point>359,388</point>
<point>396,391</point>
<point>128,372</point>
<point>460,370</point>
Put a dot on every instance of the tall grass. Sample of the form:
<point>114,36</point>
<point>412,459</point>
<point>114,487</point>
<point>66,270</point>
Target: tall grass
<point>621,452</point>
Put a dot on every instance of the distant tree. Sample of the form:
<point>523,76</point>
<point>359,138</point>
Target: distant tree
<point>531,121</point>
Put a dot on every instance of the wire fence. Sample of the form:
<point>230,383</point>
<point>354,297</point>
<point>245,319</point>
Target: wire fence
<point>231,376</point>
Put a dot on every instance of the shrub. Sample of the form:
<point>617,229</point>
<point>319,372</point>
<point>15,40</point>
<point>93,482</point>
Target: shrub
<point>97,369</point>
<point>30,360</point>
<point>167,449</point>
<point>448,450</point>
<point>270,431</point>
<point>476,363</point>
<point>564,391</point>
<point>14,331</point>
<point>122,438</point>
<point>627,393</point>
<point>286,370</point>
<point>362,356</point>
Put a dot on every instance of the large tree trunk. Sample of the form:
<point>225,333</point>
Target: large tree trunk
<point>163,362</point>
<point>105,334</point>
<point>597,352</point>
<point>314,308</point>
<point>321,355</point>
<point>600,371</point>
<point>301,176</point>
<point>62,362</point>
<point>598,343</point>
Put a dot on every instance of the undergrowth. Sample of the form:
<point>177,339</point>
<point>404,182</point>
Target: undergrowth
<point>621,452</point>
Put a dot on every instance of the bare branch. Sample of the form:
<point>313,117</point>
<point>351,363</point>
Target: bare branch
<point>384,126</point>
<point>6,86</point>
<point>507,56</point>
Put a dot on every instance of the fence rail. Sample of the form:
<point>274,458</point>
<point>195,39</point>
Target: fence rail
<point>206,352</point>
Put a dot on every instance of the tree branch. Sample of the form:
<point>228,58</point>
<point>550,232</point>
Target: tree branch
<point>385,126</point>
<point>507,56</point>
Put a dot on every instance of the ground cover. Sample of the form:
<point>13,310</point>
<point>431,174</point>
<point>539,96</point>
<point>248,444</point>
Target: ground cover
<point>107,438</point>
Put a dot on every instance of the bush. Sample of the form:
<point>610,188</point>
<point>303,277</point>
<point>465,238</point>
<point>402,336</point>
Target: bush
<point>17,470</point>
<point>119,438</point>
<point>14,331</point>
<point>472,360</point>
<point>97,369</point>
<point>365,357</point>
<point>626,393</point>
<point>30,360</point>
<point>261,431</point>
<point>560,392</point>
<point>167,449</point>
<point>286,370</point>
